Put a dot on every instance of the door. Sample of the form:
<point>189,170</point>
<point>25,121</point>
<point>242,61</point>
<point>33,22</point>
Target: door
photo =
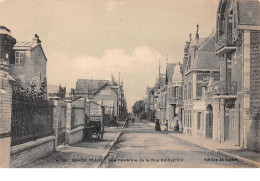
<point>226,125</point>
<point>209,122</point>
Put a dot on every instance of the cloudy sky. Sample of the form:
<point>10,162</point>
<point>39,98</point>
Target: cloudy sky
<point>92,38</point>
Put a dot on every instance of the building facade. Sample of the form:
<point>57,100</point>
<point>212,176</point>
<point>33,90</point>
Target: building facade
<point>200,63</point>
<point>29,64</point>
<point>174,100</point>
<point>236,98</point>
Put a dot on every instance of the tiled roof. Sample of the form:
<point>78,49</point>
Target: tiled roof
<point>169,71</point>
<point>24,44</point>
<point>248,12</point>
<point>89,86</point>
<point>197,42</point>
<point>205,57</point>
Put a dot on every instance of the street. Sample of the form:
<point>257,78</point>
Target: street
<point>141,147</point>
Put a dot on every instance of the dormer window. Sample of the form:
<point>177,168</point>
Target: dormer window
<point>19,57</point>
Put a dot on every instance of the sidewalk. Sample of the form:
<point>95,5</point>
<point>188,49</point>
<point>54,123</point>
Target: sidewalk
<point>80,155</point>
<point>224,148</point>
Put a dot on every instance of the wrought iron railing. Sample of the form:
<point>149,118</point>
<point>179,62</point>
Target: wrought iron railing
<point>225,88</point>
<point>225,40</point>
<point>175,100</point>
<point>32,116</point>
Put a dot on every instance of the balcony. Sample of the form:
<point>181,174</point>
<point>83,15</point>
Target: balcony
<point>225,89</point>
<point>225,44</point>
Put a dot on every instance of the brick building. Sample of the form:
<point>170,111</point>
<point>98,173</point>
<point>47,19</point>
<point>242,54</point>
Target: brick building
<point>199,63</point>
<point>237,95</point>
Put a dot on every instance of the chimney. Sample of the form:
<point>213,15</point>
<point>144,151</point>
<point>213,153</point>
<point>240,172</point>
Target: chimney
<point>197,33</point>
<point>36,40</point>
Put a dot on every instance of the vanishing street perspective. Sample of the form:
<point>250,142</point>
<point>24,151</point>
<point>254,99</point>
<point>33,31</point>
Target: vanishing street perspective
<point>130,84</point>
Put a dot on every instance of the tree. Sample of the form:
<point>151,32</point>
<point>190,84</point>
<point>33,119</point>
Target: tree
<point>138,107</point>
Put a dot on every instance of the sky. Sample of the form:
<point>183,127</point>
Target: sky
<point>94,38</point>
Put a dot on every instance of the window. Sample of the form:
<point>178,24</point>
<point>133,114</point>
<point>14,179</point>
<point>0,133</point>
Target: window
<point>189,91</point>
<point>185,92</point>
<point>199,120</point>
<point>19,57</point>
<point>176,91</point>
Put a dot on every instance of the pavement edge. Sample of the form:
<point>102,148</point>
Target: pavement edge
<point>220,152</point>
<point>113,143</point>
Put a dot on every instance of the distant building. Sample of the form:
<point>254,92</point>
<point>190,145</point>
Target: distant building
<point>174,100</point>
<point>56,92</point>
<point>106,93</point>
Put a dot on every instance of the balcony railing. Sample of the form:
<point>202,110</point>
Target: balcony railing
<point>225,88</point>
<point>225,40</point>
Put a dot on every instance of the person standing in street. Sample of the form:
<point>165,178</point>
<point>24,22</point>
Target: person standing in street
<point>166,124</point>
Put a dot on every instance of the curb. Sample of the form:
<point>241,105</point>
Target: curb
<point>251,162</point>
<point>106,155</point>
<point>242,159</point>
<point>124,125</point>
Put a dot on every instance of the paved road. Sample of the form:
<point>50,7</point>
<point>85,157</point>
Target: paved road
<point>141,146</point>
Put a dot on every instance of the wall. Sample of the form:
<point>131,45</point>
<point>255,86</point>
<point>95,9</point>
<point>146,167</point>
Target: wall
<point>34,67</point>
<point>199,106</point>
<point>75,113</point>
<point>255,90</point>
<point>5,118</point>
<point>30,151</point>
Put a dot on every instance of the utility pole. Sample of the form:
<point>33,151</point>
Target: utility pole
<point>118,100</point>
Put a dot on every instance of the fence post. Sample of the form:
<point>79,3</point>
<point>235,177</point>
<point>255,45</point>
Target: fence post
<point>56,120</point>
<point>68,123</point>
<point>5,118</point>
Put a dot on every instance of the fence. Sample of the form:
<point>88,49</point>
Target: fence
<point>32,118</point>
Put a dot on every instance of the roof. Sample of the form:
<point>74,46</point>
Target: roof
<point>89,86</point>
<point>205,57</point>
<point>29,45</point>
<point>248,12</point>
<point>24,44</point>
<point>197,42</point>
<point>4,30</point>
<point>169,72</point>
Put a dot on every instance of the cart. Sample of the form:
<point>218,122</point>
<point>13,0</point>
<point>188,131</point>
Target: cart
<point>94,130</point>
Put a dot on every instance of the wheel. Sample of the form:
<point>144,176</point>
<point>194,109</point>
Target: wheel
<point>101,136</point>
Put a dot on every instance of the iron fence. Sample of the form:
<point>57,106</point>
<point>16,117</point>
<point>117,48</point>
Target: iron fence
<point>32,117</point>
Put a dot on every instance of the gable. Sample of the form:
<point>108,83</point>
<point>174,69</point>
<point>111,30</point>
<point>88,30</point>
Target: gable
<point>38,49</point>
<point>105,91</point>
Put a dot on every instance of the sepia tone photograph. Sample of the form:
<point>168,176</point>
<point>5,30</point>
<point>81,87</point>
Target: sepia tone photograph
<point>130,84</point>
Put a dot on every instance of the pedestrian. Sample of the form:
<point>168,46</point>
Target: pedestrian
<point>176,127</point>
<point>127,121</point>
<point>133,120</point>
<point>166,124</point>
<point>157,125</point>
